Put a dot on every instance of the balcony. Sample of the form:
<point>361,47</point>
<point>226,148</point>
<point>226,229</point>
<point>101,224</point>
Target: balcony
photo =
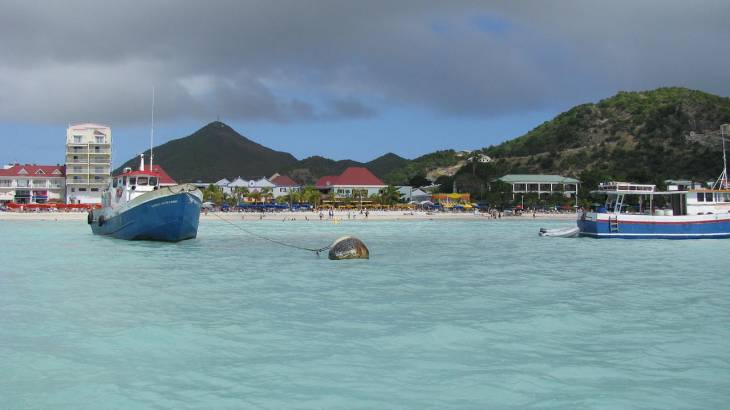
<point>85,151</point>
<point>77,170</point>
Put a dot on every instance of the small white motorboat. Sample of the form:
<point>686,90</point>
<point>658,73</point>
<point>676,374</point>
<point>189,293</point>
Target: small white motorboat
<point>560,233</point>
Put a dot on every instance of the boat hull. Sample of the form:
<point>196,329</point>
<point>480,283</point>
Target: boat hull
<point>170,218</point>
<point>654,227</point>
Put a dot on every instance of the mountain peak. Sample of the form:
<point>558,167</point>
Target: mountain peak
<point>217,151</point>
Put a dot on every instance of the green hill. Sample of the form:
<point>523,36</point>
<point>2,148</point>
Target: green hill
<point>310,169</point>
<point>640,136</point>
<point>213,152</point>
<point>217,151</point>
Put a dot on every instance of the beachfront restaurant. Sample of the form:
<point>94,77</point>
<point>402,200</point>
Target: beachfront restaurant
<point>542,185</point>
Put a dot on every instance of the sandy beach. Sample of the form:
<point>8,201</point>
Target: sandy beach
<point>299,216</point>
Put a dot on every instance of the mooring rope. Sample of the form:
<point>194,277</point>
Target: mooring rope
<point>317,251</point>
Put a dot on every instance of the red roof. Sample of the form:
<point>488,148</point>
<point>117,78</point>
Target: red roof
<point>283,180</point>
<point>157,171</point>
<point>32,171</point>
<point>352,176</point>
<point>326,181</point>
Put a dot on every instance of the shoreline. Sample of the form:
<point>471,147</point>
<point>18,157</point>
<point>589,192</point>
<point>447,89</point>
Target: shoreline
<point>302,216</point>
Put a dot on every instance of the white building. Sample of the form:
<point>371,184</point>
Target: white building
<point>252,185</point>
<point>283,185</point>
<point>542,185</point>
<point>411,194</point>
<point>32,184</point>
<point>88,162</point>
<point>223,185</point>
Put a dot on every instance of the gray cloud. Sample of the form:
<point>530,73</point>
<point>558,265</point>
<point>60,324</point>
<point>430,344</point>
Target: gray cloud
<point>311,61</point>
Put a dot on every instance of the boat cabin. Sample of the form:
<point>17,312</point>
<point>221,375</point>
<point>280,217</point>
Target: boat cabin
<point>644,199</point>
<point>131,184</point>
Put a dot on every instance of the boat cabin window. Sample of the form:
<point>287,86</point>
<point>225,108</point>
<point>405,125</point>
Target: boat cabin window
<point>132,180</point>
<point>700,197</point>
<point>153,181</point>
<point>708,196</point>
<point>115,183</point>
<point>142,181</point>
<point>124,181</point>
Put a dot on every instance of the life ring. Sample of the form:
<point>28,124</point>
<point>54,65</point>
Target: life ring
<point>101,220</point>
<point>119,193</point>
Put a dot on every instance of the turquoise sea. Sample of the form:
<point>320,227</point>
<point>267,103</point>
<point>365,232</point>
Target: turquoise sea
<point>445,315</point>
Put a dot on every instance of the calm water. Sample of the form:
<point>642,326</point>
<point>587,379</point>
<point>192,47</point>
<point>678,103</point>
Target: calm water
<point>445,315</point>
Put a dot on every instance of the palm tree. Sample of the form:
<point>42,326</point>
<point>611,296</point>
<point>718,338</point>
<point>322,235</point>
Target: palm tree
<point>266,194</point>
<point>359,194</point>
<point>311,195</point>
<point>390,195</point>
<point>255,195</point>
<point>213,194</point>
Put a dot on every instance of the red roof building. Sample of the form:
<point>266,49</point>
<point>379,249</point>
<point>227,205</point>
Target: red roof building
<point>352,179</point>
<point>32,184</point>
<point>283,185</point>
<point>283,180</point>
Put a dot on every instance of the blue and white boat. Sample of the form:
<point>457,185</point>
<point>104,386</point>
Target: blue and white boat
<point>136,207</point>
<point>687,212</point>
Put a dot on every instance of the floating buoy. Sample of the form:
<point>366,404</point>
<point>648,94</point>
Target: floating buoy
<point>348,247</point>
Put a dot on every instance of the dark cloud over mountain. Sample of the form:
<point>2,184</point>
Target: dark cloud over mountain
<point>295,60</point>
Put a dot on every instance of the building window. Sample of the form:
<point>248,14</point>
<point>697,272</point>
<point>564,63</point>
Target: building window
<point>94,189</point>
<point>73,189</point>
<point>82,189</point>
<point>77,139</point>
<point>99,139</point>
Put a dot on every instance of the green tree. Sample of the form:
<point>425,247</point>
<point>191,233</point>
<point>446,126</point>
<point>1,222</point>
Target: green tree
<point>389,195</point>
<point>311,195</point>
<point>213,194</point>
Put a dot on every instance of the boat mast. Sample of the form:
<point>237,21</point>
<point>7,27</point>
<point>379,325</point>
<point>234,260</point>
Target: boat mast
<point>152,129</point>
<point>721,182</point>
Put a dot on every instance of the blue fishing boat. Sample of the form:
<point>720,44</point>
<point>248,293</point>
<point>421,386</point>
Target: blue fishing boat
<point>135,206</point>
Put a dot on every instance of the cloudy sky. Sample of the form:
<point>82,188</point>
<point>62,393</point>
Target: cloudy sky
<point>345,79</point>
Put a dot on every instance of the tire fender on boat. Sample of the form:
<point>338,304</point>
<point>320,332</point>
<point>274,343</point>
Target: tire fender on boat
<point>101,220</point>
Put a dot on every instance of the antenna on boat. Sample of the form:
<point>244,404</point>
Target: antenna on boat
<point>152,129</point>
<point>721,182</point>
